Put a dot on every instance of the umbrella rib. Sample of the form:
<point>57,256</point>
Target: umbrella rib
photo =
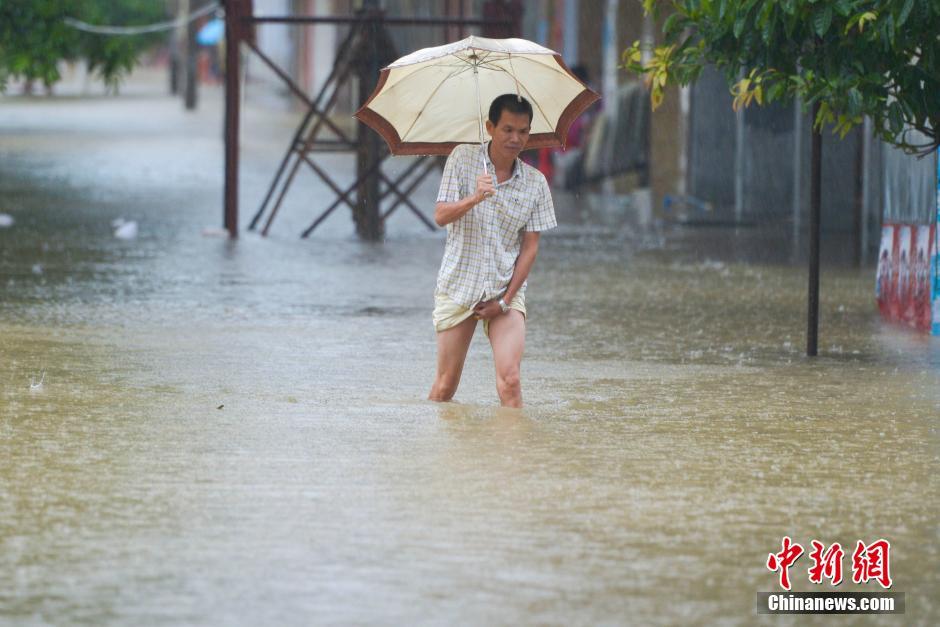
<point>486,55</point>
<point>497,56</point>
<point>514,77</point>
<point>532,99</point>
<point>401,82</point>
<point>432,94</point>
<point>555,68</point>
<point>484,60</point>
<point>433,66</point>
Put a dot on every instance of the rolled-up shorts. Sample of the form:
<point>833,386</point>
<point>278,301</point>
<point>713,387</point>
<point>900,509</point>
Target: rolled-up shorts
<point>448,314</point>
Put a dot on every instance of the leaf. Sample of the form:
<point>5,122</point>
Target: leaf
<point>722,9</point>
<point>739,22</point>
<point>822,20</point>
<point>895,118</point>
<point>855,101</point>
<point>846,123</point>
<point>820,116</point>
<point>670,25</point>
<point>656,97</point>
<point>767,30</point>
<point>905,12</point>
<point>776,90</point>
<point>632,55</point>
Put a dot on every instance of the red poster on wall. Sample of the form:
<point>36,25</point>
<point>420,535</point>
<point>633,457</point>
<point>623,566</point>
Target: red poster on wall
<point>923,238</point>
<point>905,292</point>
<point>884,284</point>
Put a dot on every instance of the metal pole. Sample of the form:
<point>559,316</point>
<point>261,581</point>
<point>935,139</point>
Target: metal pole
<point>858,210</point>
<point>175,46</point>
<point>571,33</point>
<point>797,188</point>
<point>367,215</point>
<point>739,163</point>
<point>866,179</point>
<point>812,323</point>
<point>182,33</point>
<point>192,51</point>
<point>610,55</point>
<point>461,32</point>
<point>232,113</point>
<point>389,21</point>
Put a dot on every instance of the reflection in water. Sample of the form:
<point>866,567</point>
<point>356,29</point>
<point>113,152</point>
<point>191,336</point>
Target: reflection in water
<point>673,432</point>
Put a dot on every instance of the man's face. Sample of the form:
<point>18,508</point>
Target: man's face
<point>510,134</point>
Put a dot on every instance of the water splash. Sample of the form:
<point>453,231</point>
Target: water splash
<point>37,385</point>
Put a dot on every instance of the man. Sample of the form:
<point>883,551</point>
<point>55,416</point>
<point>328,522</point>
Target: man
<point>493,225</point>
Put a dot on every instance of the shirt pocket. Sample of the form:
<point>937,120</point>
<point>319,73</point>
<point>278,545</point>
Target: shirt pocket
<point>513,215</point>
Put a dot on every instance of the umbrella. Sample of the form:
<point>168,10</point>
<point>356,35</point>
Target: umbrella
<point>211,33</point>
<point>431,100</point>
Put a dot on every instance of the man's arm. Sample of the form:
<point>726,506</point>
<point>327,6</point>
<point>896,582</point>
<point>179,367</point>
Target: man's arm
<point>447,212</point>
<point>524,262</point>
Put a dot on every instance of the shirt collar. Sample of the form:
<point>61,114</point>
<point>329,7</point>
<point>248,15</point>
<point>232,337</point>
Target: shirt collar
<point>517,170</point>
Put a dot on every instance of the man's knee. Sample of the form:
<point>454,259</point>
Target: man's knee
<point>509,382</point>
<point>445,386</point>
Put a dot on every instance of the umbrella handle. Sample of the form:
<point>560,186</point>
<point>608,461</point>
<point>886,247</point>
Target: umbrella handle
<point>476,77</point>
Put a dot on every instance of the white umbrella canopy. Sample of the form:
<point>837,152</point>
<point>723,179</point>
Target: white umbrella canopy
<point>431,100</point>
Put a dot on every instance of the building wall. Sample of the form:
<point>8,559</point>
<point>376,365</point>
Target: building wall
<point>768,165</point>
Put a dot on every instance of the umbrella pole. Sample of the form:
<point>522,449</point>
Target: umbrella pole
<point>476,77</point>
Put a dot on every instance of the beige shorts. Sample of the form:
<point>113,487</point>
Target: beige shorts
<point>448,314</point>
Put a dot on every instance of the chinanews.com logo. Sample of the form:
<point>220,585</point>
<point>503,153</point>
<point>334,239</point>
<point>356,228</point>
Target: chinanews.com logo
<point>870,563</point>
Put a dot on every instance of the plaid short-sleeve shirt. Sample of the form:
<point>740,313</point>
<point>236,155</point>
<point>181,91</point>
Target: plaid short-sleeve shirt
<point>483,244</point>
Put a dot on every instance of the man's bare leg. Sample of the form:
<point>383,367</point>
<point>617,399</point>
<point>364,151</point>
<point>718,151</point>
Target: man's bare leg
<point>452,347</point>
<point>507,337</point>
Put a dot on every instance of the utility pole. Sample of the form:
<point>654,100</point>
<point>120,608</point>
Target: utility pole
<point>812,322</point>
<point>233,35</point>
<point>175,53</point>
<point>367,214</point>
<point>189,87</point>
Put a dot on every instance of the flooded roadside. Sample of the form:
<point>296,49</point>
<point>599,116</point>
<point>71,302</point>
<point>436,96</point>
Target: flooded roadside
<point>235,432</point>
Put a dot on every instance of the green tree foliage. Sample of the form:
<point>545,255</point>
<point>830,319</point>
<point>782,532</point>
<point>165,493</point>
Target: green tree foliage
<point>853,57</point>
<point>34,37</point>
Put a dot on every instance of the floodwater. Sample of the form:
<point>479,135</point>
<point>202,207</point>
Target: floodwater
<point>236,432</point>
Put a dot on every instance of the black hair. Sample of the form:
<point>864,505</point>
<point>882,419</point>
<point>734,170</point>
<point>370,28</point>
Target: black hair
<point>511,103</point>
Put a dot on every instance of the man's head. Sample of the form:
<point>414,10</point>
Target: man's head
<point>508,123</point>
<point>511,103</point>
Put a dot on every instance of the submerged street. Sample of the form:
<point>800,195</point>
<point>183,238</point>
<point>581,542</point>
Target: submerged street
<point>235,431</point>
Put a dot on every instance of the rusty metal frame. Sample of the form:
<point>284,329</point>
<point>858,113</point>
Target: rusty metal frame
<point>240,19</point>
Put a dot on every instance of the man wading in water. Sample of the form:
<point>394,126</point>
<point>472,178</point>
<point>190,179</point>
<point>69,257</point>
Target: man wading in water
<point>493,225</point>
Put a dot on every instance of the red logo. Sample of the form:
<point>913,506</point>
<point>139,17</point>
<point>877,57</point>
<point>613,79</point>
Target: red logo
<point>871,562</point>
<point>826,564</point>
<point>783,560</point>
<point>868,562</point>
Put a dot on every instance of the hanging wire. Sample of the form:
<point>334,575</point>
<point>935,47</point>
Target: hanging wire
<point>140,30</point>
